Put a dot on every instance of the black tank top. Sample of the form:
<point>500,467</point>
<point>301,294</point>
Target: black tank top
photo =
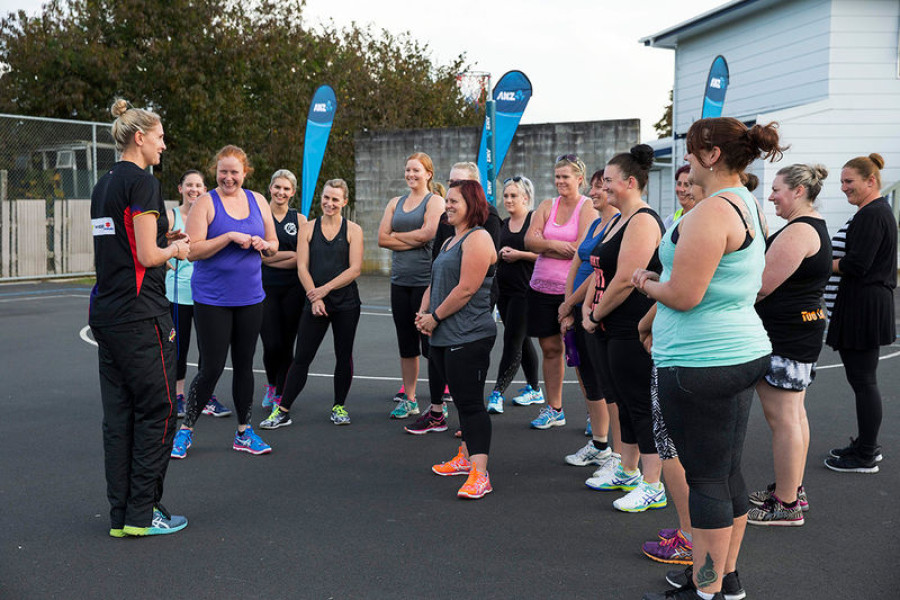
<point>286,230</point>
<point>513,278</point>
<point>327,260</point>
<point>622,322</point>
<point>793,314</point>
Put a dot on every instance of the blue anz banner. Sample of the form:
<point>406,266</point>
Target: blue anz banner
<point>511,96</point>
<point>716,86</point>
<point>318,128</point>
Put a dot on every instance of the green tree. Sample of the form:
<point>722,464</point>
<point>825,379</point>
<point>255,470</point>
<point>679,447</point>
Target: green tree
<point>218,72</point>
<point>663,127</point>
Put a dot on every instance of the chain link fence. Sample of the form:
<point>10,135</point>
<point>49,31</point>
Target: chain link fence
<point>48,168</point>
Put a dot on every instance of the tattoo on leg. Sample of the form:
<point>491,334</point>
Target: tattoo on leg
<point>706,575</point>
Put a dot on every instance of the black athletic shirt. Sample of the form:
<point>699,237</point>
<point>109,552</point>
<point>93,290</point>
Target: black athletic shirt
<point>514,277</point>
<point>622,322</point>
<point>793,314</point>
<point>125,290</point>
<point>286,231</point>
<point>327,260</point>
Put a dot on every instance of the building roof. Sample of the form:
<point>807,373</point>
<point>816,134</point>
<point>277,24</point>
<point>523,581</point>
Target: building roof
<point>730,11</point>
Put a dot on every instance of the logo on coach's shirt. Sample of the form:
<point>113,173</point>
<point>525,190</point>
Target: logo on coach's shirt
<point>103,226</point>
<point>172,335</point>
<point>290,229</point>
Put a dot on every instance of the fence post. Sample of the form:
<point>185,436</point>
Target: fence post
<point>4,225</point>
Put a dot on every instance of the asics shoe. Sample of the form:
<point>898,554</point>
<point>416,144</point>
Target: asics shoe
<point>179,403</point>
<point>476,486</point>
<point>589,455</point>
<point>760,497</point>
<point>549,417</point>
<point>676,550</point>
<point>495,403</point>
<point>183,440</point>
<point>277,418</point>
<point>667,534</point>
<point>774,512</point>
<point>458,465</point>
<point>643,497</point>
<point>528,395</point>
<point>405,408</point>
<point>249,442</point>
<point>614,479</point>
<point>215,408</point>
<point>268,396</point>
<point>427,423</point>
<point>339,415</point>
<point>400,396</point>
<point>162,523</point>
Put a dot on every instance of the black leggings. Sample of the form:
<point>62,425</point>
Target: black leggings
<point>182,316</point>
<point>464,367</point>
<point>517,347</point>
<point>861,367</point>
<point>218,328</point>
<point>624,368</point>
<point>281,315</point>
<point>310,334</point>
<point>706,411</point>
<point>405,303</point>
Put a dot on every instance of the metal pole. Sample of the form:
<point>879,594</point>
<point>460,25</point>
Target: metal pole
<point>490,140</point>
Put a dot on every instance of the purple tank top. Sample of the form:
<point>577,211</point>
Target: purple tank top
<point>232,276</point>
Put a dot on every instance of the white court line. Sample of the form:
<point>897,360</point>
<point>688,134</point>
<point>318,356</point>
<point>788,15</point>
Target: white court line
<point>5,300</point>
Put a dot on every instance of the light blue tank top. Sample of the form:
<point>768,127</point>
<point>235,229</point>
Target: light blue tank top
<point>724,328</point>
<point>181,275</point>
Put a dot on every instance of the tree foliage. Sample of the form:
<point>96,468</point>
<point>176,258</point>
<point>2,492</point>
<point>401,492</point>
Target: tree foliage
<point>663,127</point>
<point>223,71</point>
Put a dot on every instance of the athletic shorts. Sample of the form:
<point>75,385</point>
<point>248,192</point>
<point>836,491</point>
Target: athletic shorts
<point>543,313</point>
<point>790,375</point>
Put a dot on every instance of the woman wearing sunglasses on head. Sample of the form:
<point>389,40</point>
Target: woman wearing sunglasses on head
<point>556,226</point>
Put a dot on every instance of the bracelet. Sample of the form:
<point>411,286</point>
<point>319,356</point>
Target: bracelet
<point>437,320</point>
<point>592,319</point>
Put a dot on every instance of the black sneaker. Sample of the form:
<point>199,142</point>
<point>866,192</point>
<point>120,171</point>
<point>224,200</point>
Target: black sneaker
<point>682,594</point>
<point>854,444</point>
<point>684,579</point>
<point>852,462</point>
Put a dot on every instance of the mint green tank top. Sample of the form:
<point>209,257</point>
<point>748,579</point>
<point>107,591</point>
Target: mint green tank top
<point>724,328</point>
<point>180,278</point>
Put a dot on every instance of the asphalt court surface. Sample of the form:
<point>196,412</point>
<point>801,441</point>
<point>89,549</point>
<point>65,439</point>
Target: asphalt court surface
<point>355,512</point>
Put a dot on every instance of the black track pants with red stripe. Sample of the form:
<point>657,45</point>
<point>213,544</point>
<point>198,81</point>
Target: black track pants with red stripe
<point>137,387</point>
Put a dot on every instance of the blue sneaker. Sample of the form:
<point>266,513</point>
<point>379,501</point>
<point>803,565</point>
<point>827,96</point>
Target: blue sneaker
<point>248,441</point>
<point>405,408</point>
<point>495,403</point>
<point>528,395</point>
<point>549,417</point>
<point>179,402</point>
<point>183,440</point>
<point>588,430</point>
<point>163,523</point>
<point>268,396</point>
<point>215,408</point>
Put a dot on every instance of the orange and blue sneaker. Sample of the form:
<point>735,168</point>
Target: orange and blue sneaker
<point>476,486</point>
<point>458,465</point>
<point>675,550</point>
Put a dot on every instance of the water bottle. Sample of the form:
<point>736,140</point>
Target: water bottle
<point>572,358</point>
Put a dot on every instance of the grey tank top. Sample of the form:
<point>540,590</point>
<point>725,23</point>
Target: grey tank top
<point>475,320</point>
<point>411,267</point>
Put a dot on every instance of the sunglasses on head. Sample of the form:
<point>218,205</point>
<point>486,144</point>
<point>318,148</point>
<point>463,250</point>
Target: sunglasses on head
<point>572,158</point>
<point>515,179</point>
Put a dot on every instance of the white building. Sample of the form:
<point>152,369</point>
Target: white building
<point>828,71</point>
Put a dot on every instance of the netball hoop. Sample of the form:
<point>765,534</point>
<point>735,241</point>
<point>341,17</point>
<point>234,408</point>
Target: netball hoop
<point>474,86</point>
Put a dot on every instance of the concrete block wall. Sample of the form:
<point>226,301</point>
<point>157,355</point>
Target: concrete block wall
<point>381,158</point>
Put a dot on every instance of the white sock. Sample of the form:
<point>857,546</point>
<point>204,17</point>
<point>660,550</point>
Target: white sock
<point>705,595</point>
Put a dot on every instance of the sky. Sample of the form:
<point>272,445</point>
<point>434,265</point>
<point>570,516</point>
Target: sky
<point>582,56</point>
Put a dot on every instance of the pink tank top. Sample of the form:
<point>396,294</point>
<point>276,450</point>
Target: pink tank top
<point>549,276</point>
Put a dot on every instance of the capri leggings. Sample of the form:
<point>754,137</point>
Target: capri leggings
<point>624,368</point>
<point>706,411</point>
<point>405,303</point>
<point>310,334</point>
<point>517,347</point>
<point>281,315</point>
<point>182,317</point>
<point>465,369</point>
<point>218,328</point>
<point>861,368</point>
<point>586,344</point>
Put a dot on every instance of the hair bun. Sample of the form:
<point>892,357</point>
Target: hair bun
<point>119,107</point>
<point>877,159</point>
<point>643,154</point>
<point>819,172</point>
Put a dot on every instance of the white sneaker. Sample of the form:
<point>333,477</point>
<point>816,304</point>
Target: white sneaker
<point>644,496</point>
<point>589,455</point>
